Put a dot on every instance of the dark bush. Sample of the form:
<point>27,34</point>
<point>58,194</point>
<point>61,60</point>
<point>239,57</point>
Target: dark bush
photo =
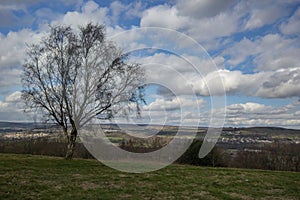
<point>214,158</point>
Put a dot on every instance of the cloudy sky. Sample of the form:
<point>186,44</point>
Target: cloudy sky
<point>249,49</point>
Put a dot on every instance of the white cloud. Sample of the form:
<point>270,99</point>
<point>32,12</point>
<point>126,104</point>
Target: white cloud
<point>117,8</point>
<point>247,108</point>
<point>14,97</point>
<point>163,16</point>
<point>202,8</point>
<point>183,64</point>
<point>9,78</point>
<point>269,52</point>
<point>13,46</point>
<point>265,12</point>
<point>255,114</point>
<point>11,108</point>
<point>176,103</point>
<point>44,16</point>
<point>206,21</point>
<point>291,26</point>
<point>8,15</point>
<point>18,14</point>
<point>135,10</point>
<point>204,79</point>
<point>219,82</point>
<point>222,24</point>
<point>281,84</point>
<point>177,110</point>
<point>12,54</point>
<point>188,74</point>
<point>297,113</point>
<point>90,12</point>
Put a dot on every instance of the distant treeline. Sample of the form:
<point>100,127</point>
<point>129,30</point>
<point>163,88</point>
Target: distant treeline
<point>273,156</point>
<point>41,146</point>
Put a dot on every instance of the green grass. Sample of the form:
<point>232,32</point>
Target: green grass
<point>41,177</point>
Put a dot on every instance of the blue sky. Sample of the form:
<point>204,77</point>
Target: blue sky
<point>254,44</point>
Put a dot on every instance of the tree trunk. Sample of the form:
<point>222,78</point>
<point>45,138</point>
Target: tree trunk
<point>71,144</point>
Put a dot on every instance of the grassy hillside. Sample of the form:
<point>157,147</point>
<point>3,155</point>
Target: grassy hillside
<point>40,177</point>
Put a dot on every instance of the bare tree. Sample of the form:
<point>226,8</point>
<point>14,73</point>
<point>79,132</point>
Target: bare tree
<point>73,75</point>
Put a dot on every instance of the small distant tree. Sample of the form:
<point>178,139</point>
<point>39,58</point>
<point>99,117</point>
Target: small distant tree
<point>73,75</point>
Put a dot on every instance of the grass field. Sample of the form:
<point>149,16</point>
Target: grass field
<point>40,177</point>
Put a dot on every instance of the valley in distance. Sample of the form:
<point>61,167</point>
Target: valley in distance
<point>245,147</point>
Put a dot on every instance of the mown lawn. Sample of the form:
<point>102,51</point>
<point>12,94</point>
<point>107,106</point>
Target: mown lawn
<point>41,177</point>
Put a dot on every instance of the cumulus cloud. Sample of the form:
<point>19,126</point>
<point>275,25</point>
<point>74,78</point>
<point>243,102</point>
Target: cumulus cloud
<point>89,12</point>
<point>135,9</point>
<point>282,83</point>
<point>290,26</point>
<point>255,114</point>
<point>8,17</point>
<point>127,11</point>
<point>176,110</point>
<point>13,46</point>
<point>202,8</point>
<point>249,107</point>
<point>297,113</point>
<point>17,14</point>
<point>163,16</point>
<point>204,79</point>
<point>117,8</point>
<point>239,114</point>
<point>176,103</point>
<point>11,108</point>
<point>265,12</point>
<point>183,63</point>
<point>12,54</point>
<point>9,78</point>
<point>207,20</point>
<point>203,29</point>
<point>269,52</point>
